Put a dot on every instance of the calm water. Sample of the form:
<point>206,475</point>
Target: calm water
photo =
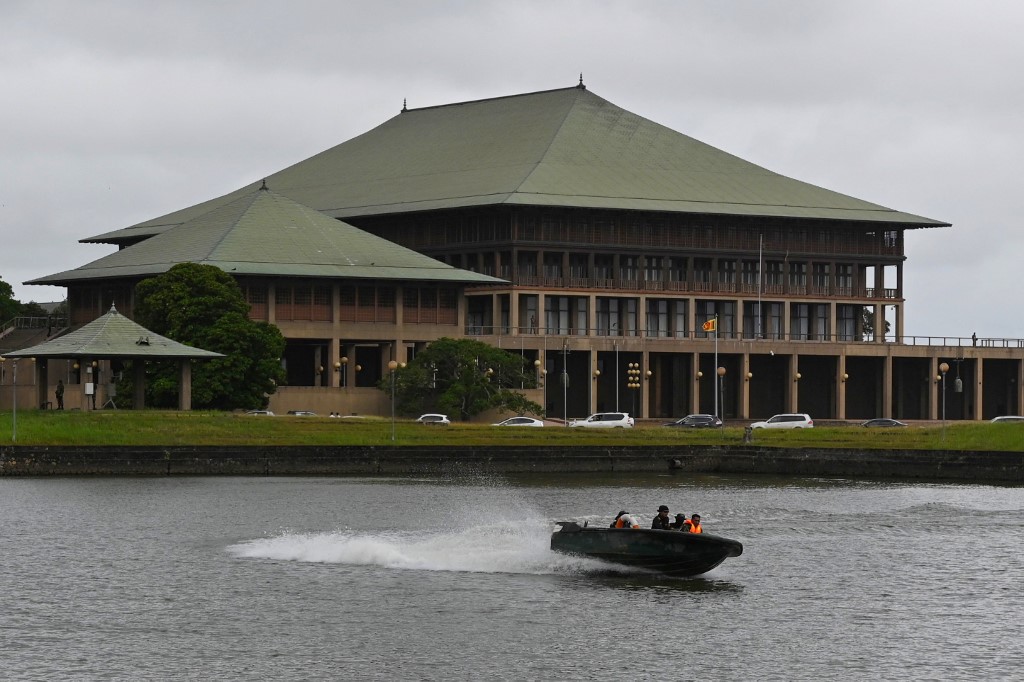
<point>340,578</point>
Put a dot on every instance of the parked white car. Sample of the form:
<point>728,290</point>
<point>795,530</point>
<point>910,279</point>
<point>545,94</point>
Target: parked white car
<point>434,419</point>
<point>605,420</point>
<point>520,421</point>
<point>786,421</point>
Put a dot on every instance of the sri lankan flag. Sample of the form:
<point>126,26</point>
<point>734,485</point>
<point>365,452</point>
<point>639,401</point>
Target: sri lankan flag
<point>711,325</point>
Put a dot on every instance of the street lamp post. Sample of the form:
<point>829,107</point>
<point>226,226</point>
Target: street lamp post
<point>392,366</point>
<point>341,367</point>
<point>541,374</point>
<point>633,381</point>
<point>944,367</point>
<point>721,392</point>
<point>699,375</point>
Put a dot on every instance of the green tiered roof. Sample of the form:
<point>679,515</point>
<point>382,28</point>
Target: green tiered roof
<point>566,148</point>
<point>265,233</point>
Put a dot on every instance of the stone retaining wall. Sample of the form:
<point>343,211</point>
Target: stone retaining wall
<point>17,460</point>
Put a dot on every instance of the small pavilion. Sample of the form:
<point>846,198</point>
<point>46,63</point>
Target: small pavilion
<point>108,338</point>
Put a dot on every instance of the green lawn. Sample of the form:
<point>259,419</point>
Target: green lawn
<point>153,427</point>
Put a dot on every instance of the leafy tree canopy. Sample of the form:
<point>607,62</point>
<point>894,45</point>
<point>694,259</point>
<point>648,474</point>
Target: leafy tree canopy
<point>9,306</point>
<point>462,377</point>
<point>202,306</point>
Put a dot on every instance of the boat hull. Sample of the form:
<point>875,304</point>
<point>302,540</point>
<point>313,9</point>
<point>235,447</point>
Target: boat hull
<point>670,552</point>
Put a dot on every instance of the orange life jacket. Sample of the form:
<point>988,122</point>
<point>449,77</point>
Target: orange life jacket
<point>621,522</point>
<point>691,528</point>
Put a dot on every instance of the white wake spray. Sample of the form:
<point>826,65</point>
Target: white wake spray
<point>481,549</point>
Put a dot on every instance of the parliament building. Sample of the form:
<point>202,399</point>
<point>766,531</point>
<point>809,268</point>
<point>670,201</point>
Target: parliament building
<point>634,267</point>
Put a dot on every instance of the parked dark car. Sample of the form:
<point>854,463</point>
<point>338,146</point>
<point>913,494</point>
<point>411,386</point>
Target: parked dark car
<point>883,422</point>
<point>697,421</point>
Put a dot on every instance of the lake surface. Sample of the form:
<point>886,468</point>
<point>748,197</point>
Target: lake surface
<point>440,578</point>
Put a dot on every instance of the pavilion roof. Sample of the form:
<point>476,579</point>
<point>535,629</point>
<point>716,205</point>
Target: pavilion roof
<point>112,336</point>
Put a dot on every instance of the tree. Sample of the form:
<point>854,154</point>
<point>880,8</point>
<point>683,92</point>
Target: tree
<point>462,377</point>
<point>9,306</point>
<point>867,324</point>
<point>202,306</point>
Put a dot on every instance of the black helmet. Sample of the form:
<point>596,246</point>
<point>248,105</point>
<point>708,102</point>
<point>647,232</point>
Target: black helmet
<point>680,516</point>
<point>662,508</point>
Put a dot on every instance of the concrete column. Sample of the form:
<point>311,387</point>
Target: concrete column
<point>979,389</point>
<point>841,387</point>
<point>460,310</point>
<point>879,321</point>
<point>899,306</point>
<point>333,356</point>
<point>744,384</point>
<point>272,302</point>
<point>138,384</point>
<point>185,386</point>
<point>794,384</point>
<point>933,389</point>
<point>592,315</point>
<point>695,383</point>
<point>887,387</point>
<point>787,316</point>
<point>513,311</point>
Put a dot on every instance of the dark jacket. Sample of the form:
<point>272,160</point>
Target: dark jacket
<point>661,524</point>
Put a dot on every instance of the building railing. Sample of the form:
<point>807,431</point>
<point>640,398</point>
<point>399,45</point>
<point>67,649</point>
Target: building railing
<point>25,322</point>
<point>699,335</point>
<point>700,287</point>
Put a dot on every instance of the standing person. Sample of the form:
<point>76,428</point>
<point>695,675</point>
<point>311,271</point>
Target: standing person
<point>625,520</point>
<point>661,521</point>
<point>692,525</point>
<point>60,394</point>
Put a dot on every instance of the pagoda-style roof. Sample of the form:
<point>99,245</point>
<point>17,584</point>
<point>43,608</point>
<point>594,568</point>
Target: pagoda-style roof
<point>265,233</point>
<point>112,336</point>
<point>564,148</point>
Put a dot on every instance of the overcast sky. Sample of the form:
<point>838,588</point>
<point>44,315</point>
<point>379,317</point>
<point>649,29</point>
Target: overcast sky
<point>120,111</point>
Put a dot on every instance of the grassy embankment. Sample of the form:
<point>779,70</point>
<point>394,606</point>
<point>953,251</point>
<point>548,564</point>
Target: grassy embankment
<point>153,427</point>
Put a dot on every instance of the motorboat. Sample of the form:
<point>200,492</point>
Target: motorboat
<point>672,552</point>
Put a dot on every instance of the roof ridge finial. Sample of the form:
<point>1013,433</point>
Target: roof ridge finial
<point>263,187</point>
<point>405,105</point>
<point>581,86</point>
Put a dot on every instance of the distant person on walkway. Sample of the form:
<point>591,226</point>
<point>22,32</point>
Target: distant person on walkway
<point>60,394</point>
<point>625,520</point>
<point>974,338</point>
<point>693,524</point>
<point>661,521</point>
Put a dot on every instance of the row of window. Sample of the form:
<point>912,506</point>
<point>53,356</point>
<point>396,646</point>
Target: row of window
<point>636,230</point>
<point>367,303</point>
<point>670,318</point>
<point>698,270</point>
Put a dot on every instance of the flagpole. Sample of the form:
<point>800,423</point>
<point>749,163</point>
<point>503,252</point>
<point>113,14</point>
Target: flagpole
<point>714,372</point>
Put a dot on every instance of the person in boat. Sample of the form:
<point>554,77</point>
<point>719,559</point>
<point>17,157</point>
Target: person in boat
<point>625,520</point>
<point>692,525</point>
<point>661,521</point>
<point>679,522</point>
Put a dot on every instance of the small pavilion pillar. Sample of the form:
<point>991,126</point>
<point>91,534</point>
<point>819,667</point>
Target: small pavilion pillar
<point>185,385</point>
<point>138,384</point>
